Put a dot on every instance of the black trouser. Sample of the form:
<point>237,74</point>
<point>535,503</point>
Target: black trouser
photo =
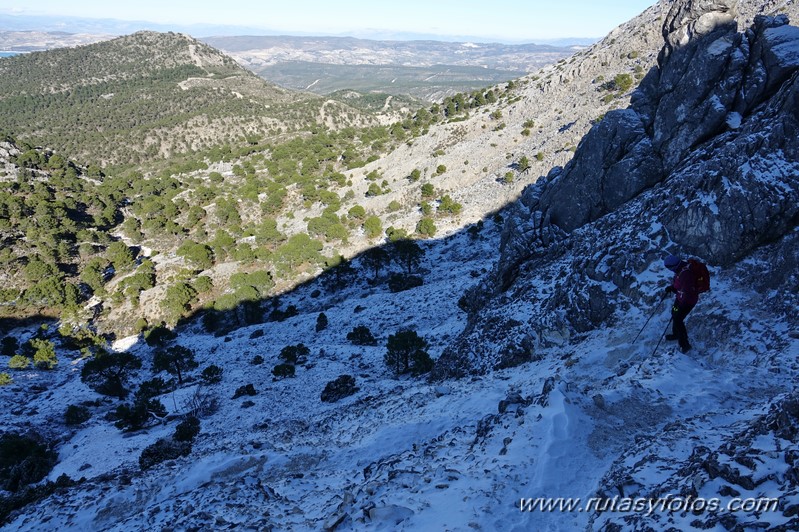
<point>678,313</point>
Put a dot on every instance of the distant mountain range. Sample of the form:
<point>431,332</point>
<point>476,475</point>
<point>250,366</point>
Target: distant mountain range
<point>425,69</point>
<point>123,27</point>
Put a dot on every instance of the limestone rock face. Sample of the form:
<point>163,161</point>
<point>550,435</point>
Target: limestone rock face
<point>704,162</point>
<point>688,21</point>
<point>615,161</point>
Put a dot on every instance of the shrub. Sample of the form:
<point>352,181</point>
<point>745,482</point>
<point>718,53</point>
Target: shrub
<point>177,300</point>
<point>187,429</point>
<point>152,388</point>
<point>5,379</point>
<point>282,315</point>
<point>140,325</point>
<point>199,254</point>
<point>107,372</point>
<point>399,282</point>
<point>357,212</point>
<point>9,346</point>
<point>361,335</point>
<point>321,322</point>
<point>623,82</point>
<point>75,415</point>
<point>428,190</point>
<point>212,374</point>
<point>162,450</point>
<point>19,362</point>
<point>373,227</point>
<point>396,234</point>
<point>203,284</point>
<point>176,360</point>
<point>158,336</point>
<point>343,386</point>
<point>44,356</point>
<point>247,389</point>
<point>421,363</point>
<point>257,360</point>
<point>136,415</point>
<point>281,371</point>
<point>24,460</point>
<point>426,227</point>
<point>294,354</point>
<point>405,350</point>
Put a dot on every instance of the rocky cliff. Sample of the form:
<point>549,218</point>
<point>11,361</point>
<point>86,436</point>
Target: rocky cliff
<point>703,162</point>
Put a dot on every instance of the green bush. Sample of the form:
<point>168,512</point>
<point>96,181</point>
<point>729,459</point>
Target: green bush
<point>294,354</point>
<point>75,415</point>
<point>162,450</point>
<point>152,388</point>
<point>426,227</point>
<point>135,416</point>
<point>282,371</point>
<point>247,389</point>
<point>321,322</point>
<point>158,336</point>
<point>107,372</point>
<point>176,360</point>
<point>5,379</point>
<point>203,284</point>
<point>187,429</point>
<point>24,460</point>
<point>405,353</point>
<point>19,362</point>
<point>212,374</point>
<point>343,386</point>
<point>44,356</point>
<point>9,346</point>
<point>361,335</point>
<point>357,212</point>
<point>373,227</point>
<point>399,282</point>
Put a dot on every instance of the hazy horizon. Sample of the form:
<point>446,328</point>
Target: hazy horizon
<point>505,21</point>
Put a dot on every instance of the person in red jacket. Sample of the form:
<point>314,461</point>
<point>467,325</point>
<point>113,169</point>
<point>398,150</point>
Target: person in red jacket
<point>686,292</point>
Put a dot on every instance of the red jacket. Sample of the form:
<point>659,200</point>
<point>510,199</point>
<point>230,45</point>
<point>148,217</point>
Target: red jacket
<point>684,284</point>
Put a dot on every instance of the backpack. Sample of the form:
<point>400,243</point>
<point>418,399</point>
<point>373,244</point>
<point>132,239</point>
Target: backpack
<point>701,275</point>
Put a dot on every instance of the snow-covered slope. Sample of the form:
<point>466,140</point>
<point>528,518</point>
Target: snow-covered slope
<point>559,395</point>
<point>414,455</point>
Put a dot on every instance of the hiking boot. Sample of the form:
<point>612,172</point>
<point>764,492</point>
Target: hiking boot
<point>671,337</point>
<point>685,348</point>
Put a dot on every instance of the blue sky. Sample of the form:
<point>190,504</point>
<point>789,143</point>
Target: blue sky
<point>504,20</point>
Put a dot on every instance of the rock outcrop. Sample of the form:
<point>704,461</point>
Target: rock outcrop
<point>703,162</point>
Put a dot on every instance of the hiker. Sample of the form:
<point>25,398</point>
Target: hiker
<point>686,288</point>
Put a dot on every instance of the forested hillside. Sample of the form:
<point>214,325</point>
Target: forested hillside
<point>150,96</point>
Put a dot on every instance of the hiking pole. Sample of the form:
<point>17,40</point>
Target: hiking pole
<point>661,336</point>
<point>657,309</point>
